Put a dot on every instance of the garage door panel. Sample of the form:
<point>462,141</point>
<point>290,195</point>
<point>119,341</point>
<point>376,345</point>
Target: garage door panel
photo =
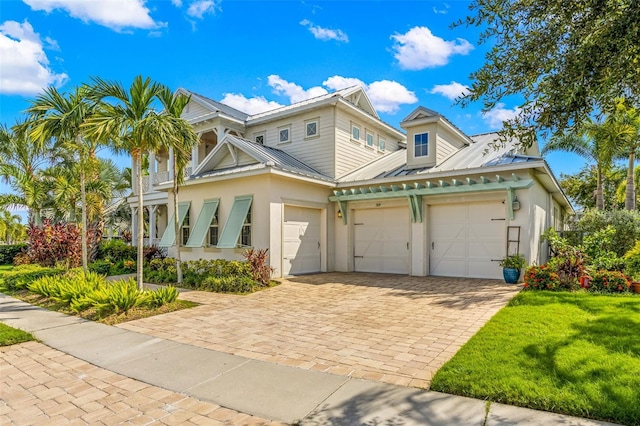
<point>380,240</point>
<point>301,240</point>
<point>466,239</point>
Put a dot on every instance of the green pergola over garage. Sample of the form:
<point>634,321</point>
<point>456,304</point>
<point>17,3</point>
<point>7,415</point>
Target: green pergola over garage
<point>416,190</point>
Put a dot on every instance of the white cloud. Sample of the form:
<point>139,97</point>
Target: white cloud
<point>442,11</point>
<point>387,96</point>
<point>114,14</point>
<point>176,3</point>
<point>294,92</point>
<point>419,49</point>
<point>249,105</point>
<point>199,8</point>
<point>324,34</point>
<point>338,82</point>
<point>499,114</point>
<point>24,64</point>
<point>452,90</point>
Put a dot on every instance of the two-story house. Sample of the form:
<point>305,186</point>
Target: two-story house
<point>326,185</point>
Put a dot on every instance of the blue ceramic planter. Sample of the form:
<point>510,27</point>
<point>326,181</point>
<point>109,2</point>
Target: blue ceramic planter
<point>511,275</point>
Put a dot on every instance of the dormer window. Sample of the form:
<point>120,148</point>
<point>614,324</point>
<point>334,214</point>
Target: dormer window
<point>284,135</point>
<point>421,144</point>
<point>355,133</point>
<point>311,128</point>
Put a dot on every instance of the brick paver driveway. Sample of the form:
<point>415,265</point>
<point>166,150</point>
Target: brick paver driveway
<point>395,329</point>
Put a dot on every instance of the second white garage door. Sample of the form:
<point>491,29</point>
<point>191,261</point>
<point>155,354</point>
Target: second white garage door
<point>301,245</point>
<point>467,240</point>
<point>381,240</point>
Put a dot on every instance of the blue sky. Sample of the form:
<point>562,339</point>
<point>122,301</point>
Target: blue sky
<point>253,55</point>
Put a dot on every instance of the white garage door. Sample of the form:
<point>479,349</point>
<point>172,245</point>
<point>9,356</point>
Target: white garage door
<point>467,240</point>
<point>301,245</point>
<point>381,240</point>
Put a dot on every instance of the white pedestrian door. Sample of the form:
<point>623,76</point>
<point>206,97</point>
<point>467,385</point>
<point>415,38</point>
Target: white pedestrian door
<point>381,240</point>
<point>301,241</point>
<point>467,240</point>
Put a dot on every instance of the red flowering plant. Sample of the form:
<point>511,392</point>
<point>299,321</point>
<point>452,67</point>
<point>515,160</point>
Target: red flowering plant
<point>609,282</point>
<point>541,277</point>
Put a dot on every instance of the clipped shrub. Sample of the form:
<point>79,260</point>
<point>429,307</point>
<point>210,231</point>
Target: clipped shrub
<point>229,284</point>
<point>21,259</point>
<point>116,250</point>
<point>8,252</point>
<point>609,282</point>
<point>258,268</point>
<point>21,276</point>
<point>102,267</point>
<point>541,278</point>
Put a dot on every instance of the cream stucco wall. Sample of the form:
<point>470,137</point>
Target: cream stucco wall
<point>271,193</point>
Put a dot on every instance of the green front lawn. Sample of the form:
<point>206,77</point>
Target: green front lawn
<point>11,336</point>
<point>572,353</point>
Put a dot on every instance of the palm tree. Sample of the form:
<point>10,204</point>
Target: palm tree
<point>626,120</point>
<point>21,161</point>
<point>182,142</point>
<point>58,116</point>
<point>132,124</point>
<point>11,230</point>
<point>594,141</point>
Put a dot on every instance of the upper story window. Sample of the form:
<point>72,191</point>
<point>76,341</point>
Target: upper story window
<point>311,128</point>
<point>369,139</point>
<point>381,144</point>
<point>355,133</point>
<point>421,144</point>
<point>284,134</point>
<point>259,138</point>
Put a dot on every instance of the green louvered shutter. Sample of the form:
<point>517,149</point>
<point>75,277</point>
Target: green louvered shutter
<point>169,236</point>
<point>233,227</point>
<point>199,232</point>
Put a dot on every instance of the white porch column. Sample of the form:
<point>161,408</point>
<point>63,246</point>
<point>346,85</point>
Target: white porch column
<point>152,224</point>
<point>134,226</point>
<point>194,157</point>
<point>152,171</point>
<point>170,165</point>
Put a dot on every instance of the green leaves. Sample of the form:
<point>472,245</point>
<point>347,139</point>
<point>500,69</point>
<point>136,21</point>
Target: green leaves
<point>568,60</point>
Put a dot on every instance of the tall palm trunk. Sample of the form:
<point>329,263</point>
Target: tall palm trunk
<point>176,225</point>
<point>599,191</point>
<point>83,200</point>
<point>630,192</point>
<point>140,237</point>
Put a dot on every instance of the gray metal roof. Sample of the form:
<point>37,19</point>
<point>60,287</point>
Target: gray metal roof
<point>265,156</point>
<point>219,106</point>
<point>478,154</point>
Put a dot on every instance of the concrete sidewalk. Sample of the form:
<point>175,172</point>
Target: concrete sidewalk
<point>258,388</point>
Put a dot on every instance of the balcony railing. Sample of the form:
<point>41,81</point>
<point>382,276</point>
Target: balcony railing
<point>159,178</point>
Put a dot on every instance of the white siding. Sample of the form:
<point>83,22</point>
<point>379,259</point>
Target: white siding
<point>443,149</point>
<point>351,155</point>
<point>317,151</point>
<point>228,161</point>
<point>194,110</point>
